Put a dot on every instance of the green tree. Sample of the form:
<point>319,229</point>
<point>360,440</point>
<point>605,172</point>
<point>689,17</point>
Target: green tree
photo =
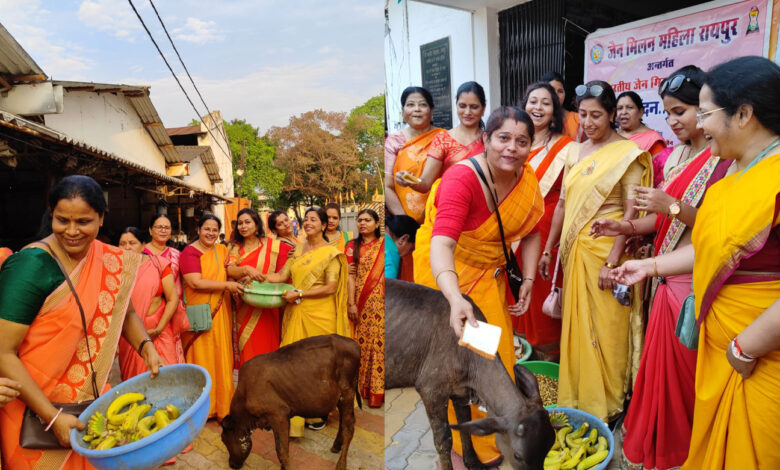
<point>366,123</point>
<point>260,174</point>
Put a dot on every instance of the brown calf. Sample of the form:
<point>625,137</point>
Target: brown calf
<point>307,378</point>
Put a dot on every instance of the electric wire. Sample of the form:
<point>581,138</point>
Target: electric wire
<point>186,95</point>
<point>181,61</point>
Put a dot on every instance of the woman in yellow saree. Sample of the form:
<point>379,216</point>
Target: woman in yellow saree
<point>407,150</point>
<point>736,273</point>
<point>318,305</point>
<point>600,338</point>
<point>458,248</point>
<point>203,268</point>
<point>42,344</point>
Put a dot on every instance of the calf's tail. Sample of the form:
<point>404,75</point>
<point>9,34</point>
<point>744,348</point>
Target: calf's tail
<point>358,397</point>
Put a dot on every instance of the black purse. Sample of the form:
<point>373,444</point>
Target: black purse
<point>33,434</point>
<point>513,273</point>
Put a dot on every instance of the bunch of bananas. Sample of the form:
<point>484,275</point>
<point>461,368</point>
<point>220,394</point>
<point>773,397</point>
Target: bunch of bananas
<point>573,449</point>
<point>125,421</point>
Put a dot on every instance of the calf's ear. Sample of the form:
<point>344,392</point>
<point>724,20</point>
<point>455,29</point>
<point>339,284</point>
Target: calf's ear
<point>483,426</point>
<point>527,384</point>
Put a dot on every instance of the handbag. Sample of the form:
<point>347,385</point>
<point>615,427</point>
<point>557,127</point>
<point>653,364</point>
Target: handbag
<point>200,316</point>
<point>513,272</point>
<point>687,329</point>
<point>552,304</point>
<point>33,434</point>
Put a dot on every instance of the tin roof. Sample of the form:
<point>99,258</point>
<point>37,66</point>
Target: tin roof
<point>15,62</point>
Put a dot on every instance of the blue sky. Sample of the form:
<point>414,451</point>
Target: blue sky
<point>259,60</point>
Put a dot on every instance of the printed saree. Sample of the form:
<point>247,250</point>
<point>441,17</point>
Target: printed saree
<point>54,351</point>
<point>370,330</point>
<point>477,255</point>
<point>600,339</point>
<point>735,419</point>
<point>411,157</point>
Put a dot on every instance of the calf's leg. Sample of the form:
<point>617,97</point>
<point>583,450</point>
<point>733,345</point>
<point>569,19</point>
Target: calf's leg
<point>281,428</point>
<point>435,404</point>
<point>463,415</point>
<point>346,427</point>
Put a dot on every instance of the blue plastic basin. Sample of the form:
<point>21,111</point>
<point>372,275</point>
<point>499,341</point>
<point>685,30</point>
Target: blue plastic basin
<point>186,386</point>
<point>577,417</point>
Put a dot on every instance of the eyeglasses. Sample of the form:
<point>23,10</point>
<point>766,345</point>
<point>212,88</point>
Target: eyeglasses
<point>701,115</point>
<point>593,90</point>
<point>673,84</point>
<point>161,228</point>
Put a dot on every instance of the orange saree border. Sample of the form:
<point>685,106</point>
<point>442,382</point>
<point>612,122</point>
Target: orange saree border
<point>377,272</point>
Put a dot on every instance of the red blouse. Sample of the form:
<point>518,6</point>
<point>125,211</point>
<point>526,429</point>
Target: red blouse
<point>189,262</point>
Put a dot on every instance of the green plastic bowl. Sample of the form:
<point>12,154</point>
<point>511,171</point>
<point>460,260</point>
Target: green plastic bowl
<point>527,349</point>
<point>266,294</point>
<point>548,369</point>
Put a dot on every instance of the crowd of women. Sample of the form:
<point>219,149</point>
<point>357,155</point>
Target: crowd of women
<point>594,203</point>
<point>135,298</point>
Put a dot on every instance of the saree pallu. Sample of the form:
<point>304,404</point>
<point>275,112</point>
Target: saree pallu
<point>477,255</point>
<point>370,331</point>
<point>411,158</point>
<point>172,255</point>
<point>543,332</point>
<point>213,349</point>
<point>54,350</point>
<point>601,340</point>
<point>658,422</point>
<point>449,151</point>
<point>735,419</point>
<point>258,328</point>
<point>168,346</point>
<point>650,140</point>
<point>4,253</point>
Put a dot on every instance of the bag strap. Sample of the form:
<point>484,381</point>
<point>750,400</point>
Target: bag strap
<point>81,311</point>
<point>555,274</point>
<point>481,174</point>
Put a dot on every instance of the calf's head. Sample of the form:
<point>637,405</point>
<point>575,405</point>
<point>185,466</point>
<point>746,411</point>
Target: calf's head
<point>523,438</point>
<point>237,437</point>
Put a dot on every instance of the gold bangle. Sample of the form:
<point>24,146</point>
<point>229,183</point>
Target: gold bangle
<point>610,265</point>
<point>436,279</point>
<point>547,253</point>
<point>655,267</point>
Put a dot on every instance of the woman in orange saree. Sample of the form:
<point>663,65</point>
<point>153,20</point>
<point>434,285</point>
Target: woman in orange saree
<point>253,255</point>
<point>42,344</point>
<point>460,142</point>
<point>205,282</point>
<point>600,338</point>
<point>366,305</point>
<point>459,245</point>
<point>407,150</point>
<point>548,156</point>
<point>736,273</point>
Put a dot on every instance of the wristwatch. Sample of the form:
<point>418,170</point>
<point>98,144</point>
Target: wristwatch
<point>674,209</point>
<point>300,296</point>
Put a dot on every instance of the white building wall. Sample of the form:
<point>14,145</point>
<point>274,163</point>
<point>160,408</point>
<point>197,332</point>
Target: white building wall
<point>474,50</point>
<point>110,123</point>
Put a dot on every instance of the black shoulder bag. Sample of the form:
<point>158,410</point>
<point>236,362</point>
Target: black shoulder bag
<point>33,434</point>
<point>513,273</point>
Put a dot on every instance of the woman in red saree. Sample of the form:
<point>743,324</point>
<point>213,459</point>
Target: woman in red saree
<point>407,150</point>
<point>366,305</point>
<point>155,300</point>
<point>658,422</point>
<point>42,343</point>
<point>160,233</point>
<point>459,246</point>
<point>548,155</point>
<point>253,255</point>
<point>460,142</point>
